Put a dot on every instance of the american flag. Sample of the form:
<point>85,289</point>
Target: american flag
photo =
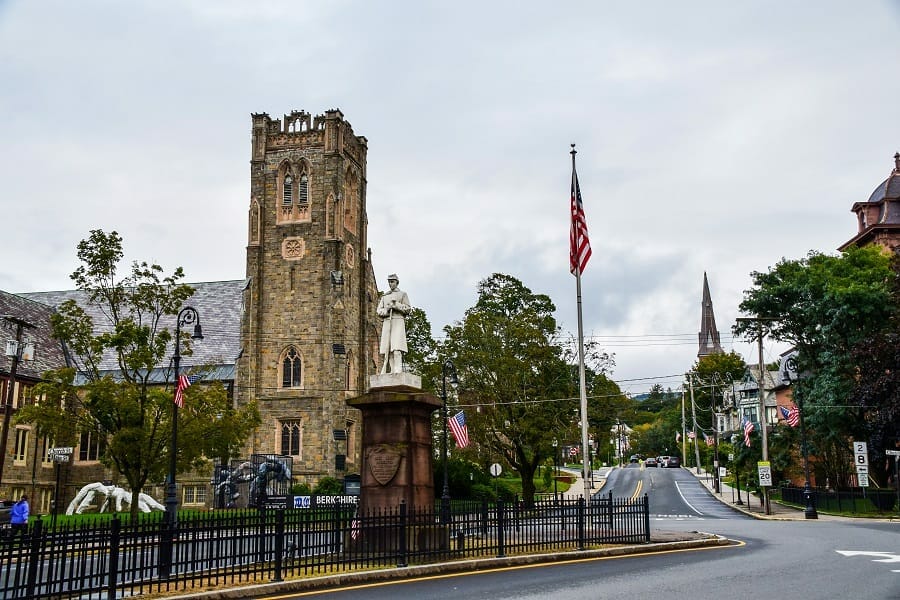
<point>691,435</point>
<point>792,416</point>
<point>459,429</point>
<point>709,440</point>
<point>748,429</point>
<point>579,245</point>
<point>184,382</point>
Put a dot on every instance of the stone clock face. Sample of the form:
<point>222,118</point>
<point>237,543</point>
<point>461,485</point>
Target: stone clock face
<point>293,248</point>
<point>349,256</point>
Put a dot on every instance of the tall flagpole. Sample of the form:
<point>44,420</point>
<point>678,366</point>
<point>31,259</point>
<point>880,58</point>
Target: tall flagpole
<point>585,455</point>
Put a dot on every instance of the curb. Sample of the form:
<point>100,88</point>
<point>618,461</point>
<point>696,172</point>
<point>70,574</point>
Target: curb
<point>446,568</point>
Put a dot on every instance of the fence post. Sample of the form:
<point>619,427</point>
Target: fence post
<point>112,578</point>
<point>581,523</point>
<point>501,517</point>
<point>279,544</point>
<point>609,509</point>
<point>402,559</point>
<point>516,511</point>
<point>484,517</point>
<point>34,564</point>
<point>646,518</point>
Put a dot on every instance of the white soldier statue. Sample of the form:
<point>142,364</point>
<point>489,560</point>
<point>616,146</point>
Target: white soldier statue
<point>393,308</point>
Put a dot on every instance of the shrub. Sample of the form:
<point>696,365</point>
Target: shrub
<point>329,486</point>
<point>301,489</point>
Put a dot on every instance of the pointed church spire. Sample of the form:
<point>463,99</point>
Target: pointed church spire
<point>709,335</point>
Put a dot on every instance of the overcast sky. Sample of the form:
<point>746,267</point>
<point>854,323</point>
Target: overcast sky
<point>712,136</point>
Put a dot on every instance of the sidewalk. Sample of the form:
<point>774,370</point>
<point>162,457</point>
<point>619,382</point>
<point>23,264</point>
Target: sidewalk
<point>751,503</point>
<point>576,489</point>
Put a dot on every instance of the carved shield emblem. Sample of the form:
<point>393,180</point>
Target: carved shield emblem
<point>383,461</point>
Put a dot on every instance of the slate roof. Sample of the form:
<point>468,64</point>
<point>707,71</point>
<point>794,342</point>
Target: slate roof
<point>48,353</point>
<point>218,304</point>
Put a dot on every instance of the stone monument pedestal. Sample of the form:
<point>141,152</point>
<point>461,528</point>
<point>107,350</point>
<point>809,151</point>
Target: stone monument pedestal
<point>396,443</point>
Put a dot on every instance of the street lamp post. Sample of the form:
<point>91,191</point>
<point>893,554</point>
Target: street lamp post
<point>810,510</point>
<point>448,369</point>
<point>187,316</point>
<point>555,469</point>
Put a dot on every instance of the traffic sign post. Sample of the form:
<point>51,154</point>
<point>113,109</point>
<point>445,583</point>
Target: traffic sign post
<point>861,461</point>
<point>59,455</point>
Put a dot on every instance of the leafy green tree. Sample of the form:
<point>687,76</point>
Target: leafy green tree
<point>120,405</point>
<point>511,364</point>
<point>825,306</point>
<point>422,354</point>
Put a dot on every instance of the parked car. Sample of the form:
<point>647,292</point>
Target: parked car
<point>671,462</point>
<point>651,462</point>
<point>661,461</point>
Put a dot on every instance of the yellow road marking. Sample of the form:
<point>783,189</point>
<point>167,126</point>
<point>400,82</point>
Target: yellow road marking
<point>363,586</point>
<point>637,490</point>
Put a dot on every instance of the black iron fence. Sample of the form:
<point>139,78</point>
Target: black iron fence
<point>850,500</point>
<point>116,559</point>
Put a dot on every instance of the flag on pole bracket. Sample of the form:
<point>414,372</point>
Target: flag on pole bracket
<point>747,426</point>
<point>459,429</point>
<point>184,382</point>
<point>792,416</point>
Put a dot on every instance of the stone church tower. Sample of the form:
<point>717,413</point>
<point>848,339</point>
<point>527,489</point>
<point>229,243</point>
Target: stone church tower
<point>308,332</point>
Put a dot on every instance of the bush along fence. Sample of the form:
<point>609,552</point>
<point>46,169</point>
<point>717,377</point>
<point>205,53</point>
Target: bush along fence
<point>116,558</point>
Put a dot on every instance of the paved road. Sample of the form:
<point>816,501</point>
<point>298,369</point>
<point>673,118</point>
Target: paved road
<point>675,494</point>
<point>770,559</point>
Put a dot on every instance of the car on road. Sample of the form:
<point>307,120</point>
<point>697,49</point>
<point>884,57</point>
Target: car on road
<point>661,461</point>
<point>651,462</point>
<point>672,462</point>
<point>635,458</point>
<point>5,513</point>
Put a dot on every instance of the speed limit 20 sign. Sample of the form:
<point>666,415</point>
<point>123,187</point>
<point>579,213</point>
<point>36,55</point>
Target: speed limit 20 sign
<point>765,473</point>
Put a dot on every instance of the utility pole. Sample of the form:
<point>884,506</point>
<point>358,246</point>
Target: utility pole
<point>694,426</point>
<point>10,386</point>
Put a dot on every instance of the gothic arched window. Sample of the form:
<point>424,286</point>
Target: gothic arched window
<point>288,191</point>
<point>303,192</point>
<point>291,369</point>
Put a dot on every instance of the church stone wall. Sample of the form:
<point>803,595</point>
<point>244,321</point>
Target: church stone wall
<point>310,291</point>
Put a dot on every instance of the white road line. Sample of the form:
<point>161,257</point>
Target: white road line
<point>678,487</point>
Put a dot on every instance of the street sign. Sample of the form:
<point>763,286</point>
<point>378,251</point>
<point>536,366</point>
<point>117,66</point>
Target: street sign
<point>765,473</point>
<point>892,452</point>
<point>723,472</point>
<point>863,479</point>
<point>61,450</point>
<point>496,469</point>
<point>60,458</point>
